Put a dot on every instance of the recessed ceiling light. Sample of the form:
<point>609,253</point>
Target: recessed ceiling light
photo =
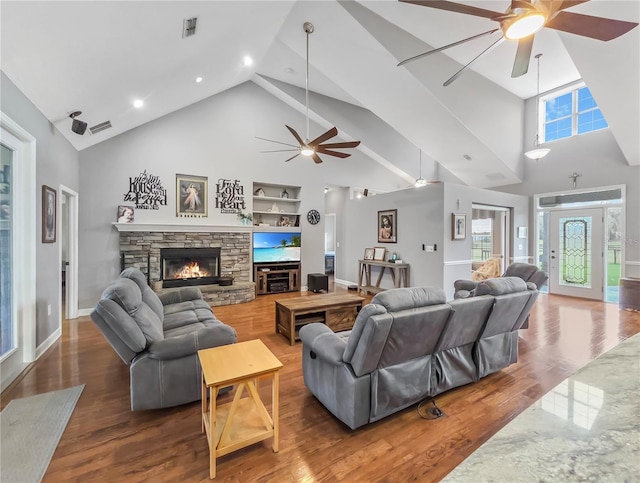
<point>198,79</point>
<point>138,103</point>
<point>247,61</point>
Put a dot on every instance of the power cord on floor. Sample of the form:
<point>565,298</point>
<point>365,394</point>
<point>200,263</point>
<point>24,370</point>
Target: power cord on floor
<point>429,413</point>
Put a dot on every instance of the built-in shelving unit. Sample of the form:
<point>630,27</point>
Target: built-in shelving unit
<point>276,205</point>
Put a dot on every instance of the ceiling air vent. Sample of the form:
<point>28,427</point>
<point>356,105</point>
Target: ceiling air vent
<point>189,27</point>
<point>100,127</point>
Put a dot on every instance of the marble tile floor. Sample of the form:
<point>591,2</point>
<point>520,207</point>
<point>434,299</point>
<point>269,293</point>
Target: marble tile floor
<point>585,429</point>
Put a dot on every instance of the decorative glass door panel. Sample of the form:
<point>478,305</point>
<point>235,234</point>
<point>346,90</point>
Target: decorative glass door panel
<point>575,253</point>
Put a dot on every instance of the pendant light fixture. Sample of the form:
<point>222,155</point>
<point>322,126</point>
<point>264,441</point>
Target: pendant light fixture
<point>537,152</point>
<point>420,181</point>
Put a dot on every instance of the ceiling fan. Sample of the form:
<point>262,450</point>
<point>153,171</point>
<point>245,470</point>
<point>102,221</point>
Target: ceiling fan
<point>521,21</point>
<point>316,146</point>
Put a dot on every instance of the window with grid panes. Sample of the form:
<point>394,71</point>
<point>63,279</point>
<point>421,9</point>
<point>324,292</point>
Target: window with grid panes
<point>570,113</point>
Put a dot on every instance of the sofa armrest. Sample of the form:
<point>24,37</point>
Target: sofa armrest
<point>325,343</point>
<point>468,285</point>
<point>182,294</point>
<point>190,343</point>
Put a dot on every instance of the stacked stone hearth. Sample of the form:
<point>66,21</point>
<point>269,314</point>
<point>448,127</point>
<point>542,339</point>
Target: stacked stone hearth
<point>142,250</point>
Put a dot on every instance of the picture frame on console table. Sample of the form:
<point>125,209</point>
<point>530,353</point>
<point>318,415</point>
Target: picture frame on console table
<point>368,254</point>
<point>379,253</point>
<point>49,203</point>
<point>192,196</point>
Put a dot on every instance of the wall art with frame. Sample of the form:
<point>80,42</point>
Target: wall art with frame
<point>49,200</point>
<point>387,226</point>
<point>458,226</point>
<point>191,196</point>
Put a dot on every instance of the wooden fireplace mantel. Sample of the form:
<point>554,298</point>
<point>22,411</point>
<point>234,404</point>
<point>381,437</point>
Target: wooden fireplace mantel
<point>180,228</point>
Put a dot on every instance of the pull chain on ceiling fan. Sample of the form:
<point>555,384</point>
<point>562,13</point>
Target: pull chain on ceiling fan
<point>315,147</point>
<point>521,21</point>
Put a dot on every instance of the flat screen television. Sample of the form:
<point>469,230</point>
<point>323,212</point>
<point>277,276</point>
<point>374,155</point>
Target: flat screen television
<point>276,247</point>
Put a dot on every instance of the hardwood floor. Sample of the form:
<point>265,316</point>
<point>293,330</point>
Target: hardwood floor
<point>105,441</point>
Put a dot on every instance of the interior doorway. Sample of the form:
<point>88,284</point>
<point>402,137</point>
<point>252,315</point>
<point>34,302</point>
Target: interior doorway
<point>330,244</point>
<point>68,257</point>
<point>490,228</point>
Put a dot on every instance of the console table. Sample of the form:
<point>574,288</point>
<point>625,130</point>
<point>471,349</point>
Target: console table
<point>399,275</point>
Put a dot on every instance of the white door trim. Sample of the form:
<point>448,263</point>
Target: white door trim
<point>24,246</point>
<point>71,282</point>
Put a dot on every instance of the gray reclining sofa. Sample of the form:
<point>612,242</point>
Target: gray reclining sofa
<point>159,337</point>
<point>409,344</point>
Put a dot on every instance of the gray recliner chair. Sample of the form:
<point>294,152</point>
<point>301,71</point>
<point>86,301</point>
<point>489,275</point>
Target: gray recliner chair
<point>159,337</point>
<point>525,271</point>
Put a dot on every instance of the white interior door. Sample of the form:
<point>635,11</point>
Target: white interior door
<point>576,259</point>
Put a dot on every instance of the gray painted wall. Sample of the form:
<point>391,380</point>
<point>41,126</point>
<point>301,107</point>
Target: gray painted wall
<point>598,158</point>
<point>213,138</point>
<point>424,217</point>
<point>56,164</point>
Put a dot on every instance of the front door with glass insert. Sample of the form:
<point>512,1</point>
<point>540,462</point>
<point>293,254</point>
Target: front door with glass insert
<point>576,253</point>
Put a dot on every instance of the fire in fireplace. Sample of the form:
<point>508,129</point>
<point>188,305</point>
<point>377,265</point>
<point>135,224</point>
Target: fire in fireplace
<point>189,266</point>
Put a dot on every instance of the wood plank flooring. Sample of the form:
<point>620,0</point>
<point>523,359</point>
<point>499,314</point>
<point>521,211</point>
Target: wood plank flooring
<point>105,441</point>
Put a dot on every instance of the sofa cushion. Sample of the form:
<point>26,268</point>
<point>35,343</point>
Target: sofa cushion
<point>149,297</point>
<point>523,270</point>
<point>126,293</point>
<point>501,286</point>
<point>398,299</point>
<point>367,311</point>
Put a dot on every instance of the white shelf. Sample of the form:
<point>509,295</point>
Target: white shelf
<point>275,213</point>
<point>275,198</point>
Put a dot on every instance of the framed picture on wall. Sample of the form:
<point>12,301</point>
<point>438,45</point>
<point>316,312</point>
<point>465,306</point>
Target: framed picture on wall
<point>125,214</point>
<point>387,226</point>
<point>191,196</point>
<point>522,232</point>
<point>49,199</point>
<point>458,226</point>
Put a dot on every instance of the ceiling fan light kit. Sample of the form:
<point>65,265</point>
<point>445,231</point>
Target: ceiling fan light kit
<point>522,20</point>
<point>522,27</point>
<point>313,148</point>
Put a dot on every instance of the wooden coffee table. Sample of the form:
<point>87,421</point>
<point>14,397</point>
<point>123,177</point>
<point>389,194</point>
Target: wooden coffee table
<point>243,421</point>
<point>338,311</point>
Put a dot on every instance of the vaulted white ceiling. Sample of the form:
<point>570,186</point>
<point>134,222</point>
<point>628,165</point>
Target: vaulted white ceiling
<point>98,57</point>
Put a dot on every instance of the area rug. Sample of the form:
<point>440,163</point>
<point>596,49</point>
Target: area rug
<point>30,429</point>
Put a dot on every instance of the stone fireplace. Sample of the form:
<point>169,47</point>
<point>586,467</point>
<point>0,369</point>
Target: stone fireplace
<point>143,248</point>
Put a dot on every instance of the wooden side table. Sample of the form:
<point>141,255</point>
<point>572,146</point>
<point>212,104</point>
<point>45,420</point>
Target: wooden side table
<point>245,420</point>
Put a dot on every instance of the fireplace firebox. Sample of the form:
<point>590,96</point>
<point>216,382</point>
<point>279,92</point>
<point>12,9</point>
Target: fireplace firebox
<point>189,266</point>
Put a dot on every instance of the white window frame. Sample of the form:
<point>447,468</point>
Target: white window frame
<point>573,89</point>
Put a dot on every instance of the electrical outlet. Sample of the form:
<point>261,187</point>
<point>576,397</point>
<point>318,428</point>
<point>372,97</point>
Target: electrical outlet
<point>49,309</point>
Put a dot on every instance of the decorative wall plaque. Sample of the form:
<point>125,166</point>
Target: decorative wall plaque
<point>230,196</point>
<point>146,191</point>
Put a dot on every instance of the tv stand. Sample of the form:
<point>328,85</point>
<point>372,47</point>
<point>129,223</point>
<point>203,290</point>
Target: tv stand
<point>276,277</point>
